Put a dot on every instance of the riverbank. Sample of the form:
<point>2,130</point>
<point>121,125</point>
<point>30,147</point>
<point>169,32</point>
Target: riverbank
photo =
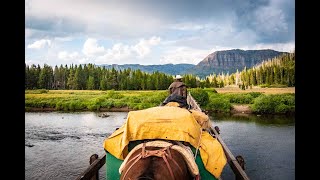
<point>48,109</point>
<point>236,109</point>
<point>225,100</point>
<point>241,108</point>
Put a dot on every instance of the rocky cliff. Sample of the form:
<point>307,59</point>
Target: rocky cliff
<point>229,61</point>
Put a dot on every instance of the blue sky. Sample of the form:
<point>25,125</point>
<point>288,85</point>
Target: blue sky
<point>152,31</point>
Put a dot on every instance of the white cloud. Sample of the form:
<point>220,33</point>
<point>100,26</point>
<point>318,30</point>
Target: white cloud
<point>184,55</point>
<point>283,47</point>
<point>64,55</point>
<point>63,39</point>
<point>61,24</point>
<point>84,60</point>
<point>33,61</point>
<point>91,48</point>
<point>144,46</point>
<point>28,33</point>
<point>102,18</point>
<point>188,26</point>
<point>114,54</point>
<point>122,51</point>
<point>39,44</point>
<point>94,52</point>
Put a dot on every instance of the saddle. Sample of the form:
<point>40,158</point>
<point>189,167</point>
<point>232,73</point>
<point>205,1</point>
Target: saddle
<point>176,98</point>
<point>183,150</point>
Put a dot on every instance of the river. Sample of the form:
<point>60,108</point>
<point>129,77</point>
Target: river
<point>58,145</point>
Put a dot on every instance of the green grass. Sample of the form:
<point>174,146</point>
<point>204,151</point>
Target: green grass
<point>77,100</point>
<point>208,98</point>
<point>274,104</point>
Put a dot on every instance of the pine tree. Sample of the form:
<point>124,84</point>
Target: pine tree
<point>72,84</point>
<point>90,83</point>
<point>46,77</point>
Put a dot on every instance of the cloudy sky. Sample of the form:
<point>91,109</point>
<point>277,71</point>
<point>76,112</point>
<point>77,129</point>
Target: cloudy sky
<point>152,31</point>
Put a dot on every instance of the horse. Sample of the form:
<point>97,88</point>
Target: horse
<point>164,162</point>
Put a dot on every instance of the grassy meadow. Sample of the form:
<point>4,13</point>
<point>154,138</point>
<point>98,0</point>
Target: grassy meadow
<point>260,100</point>
<point>235,89</point>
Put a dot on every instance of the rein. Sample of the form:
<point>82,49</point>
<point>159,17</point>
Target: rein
<point>164,153</point>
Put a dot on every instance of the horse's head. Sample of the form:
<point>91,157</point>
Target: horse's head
<point>154,162</point>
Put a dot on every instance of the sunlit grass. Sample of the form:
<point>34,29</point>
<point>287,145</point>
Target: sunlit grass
<point>66,100</point>
<point>256,89</point>
<point>93,100</point>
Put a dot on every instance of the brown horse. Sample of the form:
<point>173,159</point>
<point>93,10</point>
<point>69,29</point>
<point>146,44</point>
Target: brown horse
<point>156,163</point>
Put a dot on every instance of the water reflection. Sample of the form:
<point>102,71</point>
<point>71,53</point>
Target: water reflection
<point>57,145</point>
<point>253,118</point>
<point>266,142</point>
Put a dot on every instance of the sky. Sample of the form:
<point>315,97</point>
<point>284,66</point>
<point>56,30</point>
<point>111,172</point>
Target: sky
<point>150,32</point>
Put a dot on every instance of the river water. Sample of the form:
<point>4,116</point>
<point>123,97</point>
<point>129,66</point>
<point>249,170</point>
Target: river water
<point>58,145</point>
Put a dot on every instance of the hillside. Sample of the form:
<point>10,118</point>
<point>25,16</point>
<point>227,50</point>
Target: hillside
<point>229,61</point>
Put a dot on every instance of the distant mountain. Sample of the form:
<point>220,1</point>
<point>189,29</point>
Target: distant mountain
<point>229,61</point>
<point>165,68</point>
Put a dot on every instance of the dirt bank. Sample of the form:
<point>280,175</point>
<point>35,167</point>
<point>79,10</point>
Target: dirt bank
<point>242,108</point>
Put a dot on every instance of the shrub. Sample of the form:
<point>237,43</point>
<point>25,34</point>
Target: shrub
<point>76,105</point>
<point>59,106</point>
<point>219,104</point>
<point>274,103</point>
<point>119,104</point>
<point>264,85</point>
<point>282,108</point>
<point>200,95</point>
<point>263,104</point>
<point>255,94</point>
<point>131,105</point>
<point>93,107</point>
<point>153,99</point>
<point>39,104</point>
<point>114,95</point>
<point>107,104</point>
<point>240,98</point>
<point>99,100</point>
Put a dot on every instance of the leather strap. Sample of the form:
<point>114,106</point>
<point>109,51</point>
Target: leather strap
<point>164,153</point>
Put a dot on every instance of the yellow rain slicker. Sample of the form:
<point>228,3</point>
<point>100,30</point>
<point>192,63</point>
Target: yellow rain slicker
<point>168,123</point>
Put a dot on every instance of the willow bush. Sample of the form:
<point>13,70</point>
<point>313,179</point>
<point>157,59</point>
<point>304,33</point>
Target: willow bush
<point>200,95</point>
<point>274,103</point>
<point>219,104</point>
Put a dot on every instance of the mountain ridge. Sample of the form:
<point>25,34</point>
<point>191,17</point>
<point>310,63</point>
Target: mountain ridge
<point>172,69</point>
<point>225,61</point>
<point>229,61</point>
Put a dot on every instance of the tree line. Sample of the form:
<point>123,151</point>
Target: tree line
<point>92,77</point>
<point>279,70</point>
